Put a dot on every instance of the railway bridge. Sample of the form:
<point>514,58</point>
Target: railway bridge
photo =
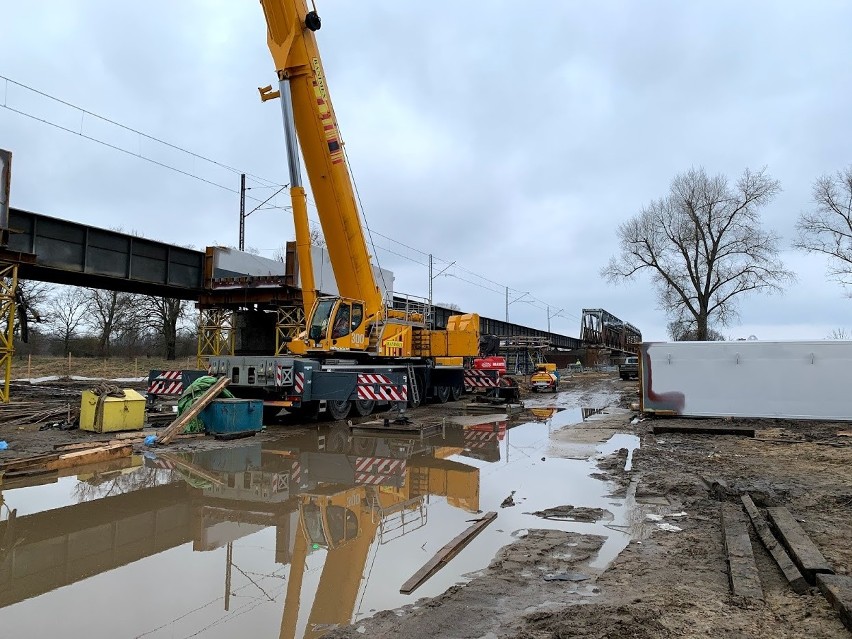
<point>223,282</point>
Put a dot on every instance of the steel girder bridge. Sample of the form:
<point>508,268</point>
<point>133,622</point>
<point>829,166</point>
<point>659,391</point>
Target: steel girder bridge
<point>600,328</point>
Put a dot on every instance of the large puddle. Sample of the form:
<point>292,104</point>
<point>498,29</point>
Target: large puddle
<point>289,537</point>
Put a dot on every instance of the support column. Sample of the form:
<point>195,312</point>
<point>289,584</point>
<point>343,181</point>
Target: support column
<point>289,323</point>
<point>216,335</point>
<point>8,286</point>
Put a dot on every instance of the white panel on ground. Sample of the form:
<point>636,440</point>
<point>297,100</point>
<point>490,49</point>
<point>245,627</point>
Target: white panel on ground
<point>795,380</point>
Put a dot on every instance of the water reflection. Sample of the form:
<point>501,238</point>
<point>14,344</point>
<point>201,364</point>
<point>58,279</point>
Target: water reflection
<point>193,534</point>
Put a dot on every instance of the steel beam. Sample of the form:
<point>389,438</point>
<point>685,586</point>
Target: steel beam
<point>72,253</point>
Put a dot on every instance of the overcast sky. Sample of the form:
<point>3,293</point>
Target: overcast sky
<point>512,141</point>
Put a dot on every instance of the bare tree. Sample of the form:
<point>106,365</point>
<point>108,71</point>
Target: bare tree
<point>828,228</point>
<point>840,333</point>
<point>67,310</point>
<point>30,300</point>
<point>704,247</point>
<point>682,331</point>
<point>452,307</point>
<point>162,316</point>
<point>106,312</point>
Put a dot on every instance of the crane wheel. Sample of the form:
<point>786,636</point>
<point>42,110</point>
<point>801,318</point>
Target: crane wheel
<point>455,393</point>
<point>338,409</point>
<point>442,394</point>
<point>364,407</point>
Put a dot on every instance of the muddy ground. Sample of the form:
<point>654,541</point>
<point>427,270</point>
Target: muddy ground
<point>666,583</point>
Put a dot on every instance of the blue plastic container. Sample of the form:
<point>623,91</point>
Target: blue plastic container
<point>225,416</point>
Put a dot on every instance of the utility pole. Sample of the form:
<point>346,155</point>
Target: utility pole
<point>243,212</point>
<point>507,304</point>
<point>548,319</point>
<point>430,280</point>
<point>5,190</point>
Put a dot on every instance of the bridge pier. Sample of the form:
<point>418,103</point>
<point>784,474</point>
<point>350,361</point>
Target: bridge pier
<point>8,287</point>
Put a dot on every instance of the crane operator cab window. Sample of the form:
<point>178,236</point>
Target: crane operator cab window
<point>319,322</point>
<point>357,315</point>
<point>342,327</point>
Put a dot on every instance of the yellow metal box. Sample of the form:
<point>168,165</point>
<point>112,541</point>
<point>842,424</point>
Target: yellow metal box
<point>119,413</point>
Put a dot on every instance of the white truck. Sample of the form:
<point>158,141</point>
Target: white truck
<point>789,380</point>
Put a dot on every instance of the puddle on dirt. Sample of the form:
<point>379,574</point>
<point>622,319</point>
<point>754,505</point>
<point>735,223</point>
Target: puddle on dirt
<point>287,537</point>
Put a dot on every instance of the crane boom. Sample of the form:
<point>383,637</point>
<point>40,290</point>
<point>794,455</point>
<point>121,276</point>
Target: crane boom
<point>291,40</point>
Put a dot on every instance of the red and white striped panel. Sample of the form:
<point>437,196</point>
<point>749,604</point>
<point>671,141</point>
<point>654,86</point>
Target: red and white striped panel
<point>479,379</point>
<point>379,465</point>
<point>373,378</point>
<point>366,479</point>
<point>479,439</point>
<point>156,462</point>
<point>279,375</point>
<point>380,387</point>
<point>296,472</point>
<point>167,383</point>
<point>388,393</point>
<point>299,382</point>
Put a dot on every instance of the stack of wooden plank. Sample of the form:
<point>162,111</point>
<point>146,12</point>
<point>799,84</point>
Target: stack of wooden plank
<point>21,413</point>
<point>801,562</point>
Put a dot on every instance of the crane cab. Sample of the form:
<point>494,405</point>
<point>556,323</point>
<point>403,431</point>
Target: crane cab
<point>337,324</point>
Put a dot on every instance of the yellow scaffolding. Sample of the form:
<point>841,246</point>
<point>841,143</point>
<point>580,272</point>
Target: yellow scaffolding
<point>289,323</point>
<point>8,286</point>
<point>215,335</point>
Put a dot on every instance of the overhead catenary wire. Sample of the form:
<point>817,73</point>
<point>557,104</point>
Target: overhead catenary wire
<point>483,282</point>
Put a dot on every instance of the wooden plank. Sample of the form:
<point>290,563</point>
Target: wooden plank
<point>791,573</point>
<point>95,455</point>
<point>698,428</point>
<point>37,465</point>
<point>443,556</point>
<point>803,551</point>
<point>838,590</point>
<point>742,570</point>
<point>24,462</point>
<point>177,426</point>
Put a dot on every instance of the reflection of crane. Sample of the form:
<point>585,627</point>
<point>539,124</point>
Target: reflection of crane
<point>346,521</point>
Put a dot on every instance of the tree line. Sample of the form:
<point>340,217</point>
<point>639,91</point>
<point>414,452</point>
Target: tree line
<point>58,320</point>
<point>704,246</point>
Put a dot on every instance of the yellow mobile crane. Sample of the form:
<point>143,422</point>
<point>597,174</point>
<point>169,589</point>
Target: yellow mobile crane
<point>357,349</point>
<point>359,320</point>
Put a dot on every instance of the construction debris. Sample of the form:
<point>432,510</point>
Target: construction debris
<point>791,573</point>
<point>742,570</point>
<point>804,552</point>
<point>700,428</point>
<point>57,461</point>
<point>177,426</point>
<point>838,590</point>
<point>443,556</point>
